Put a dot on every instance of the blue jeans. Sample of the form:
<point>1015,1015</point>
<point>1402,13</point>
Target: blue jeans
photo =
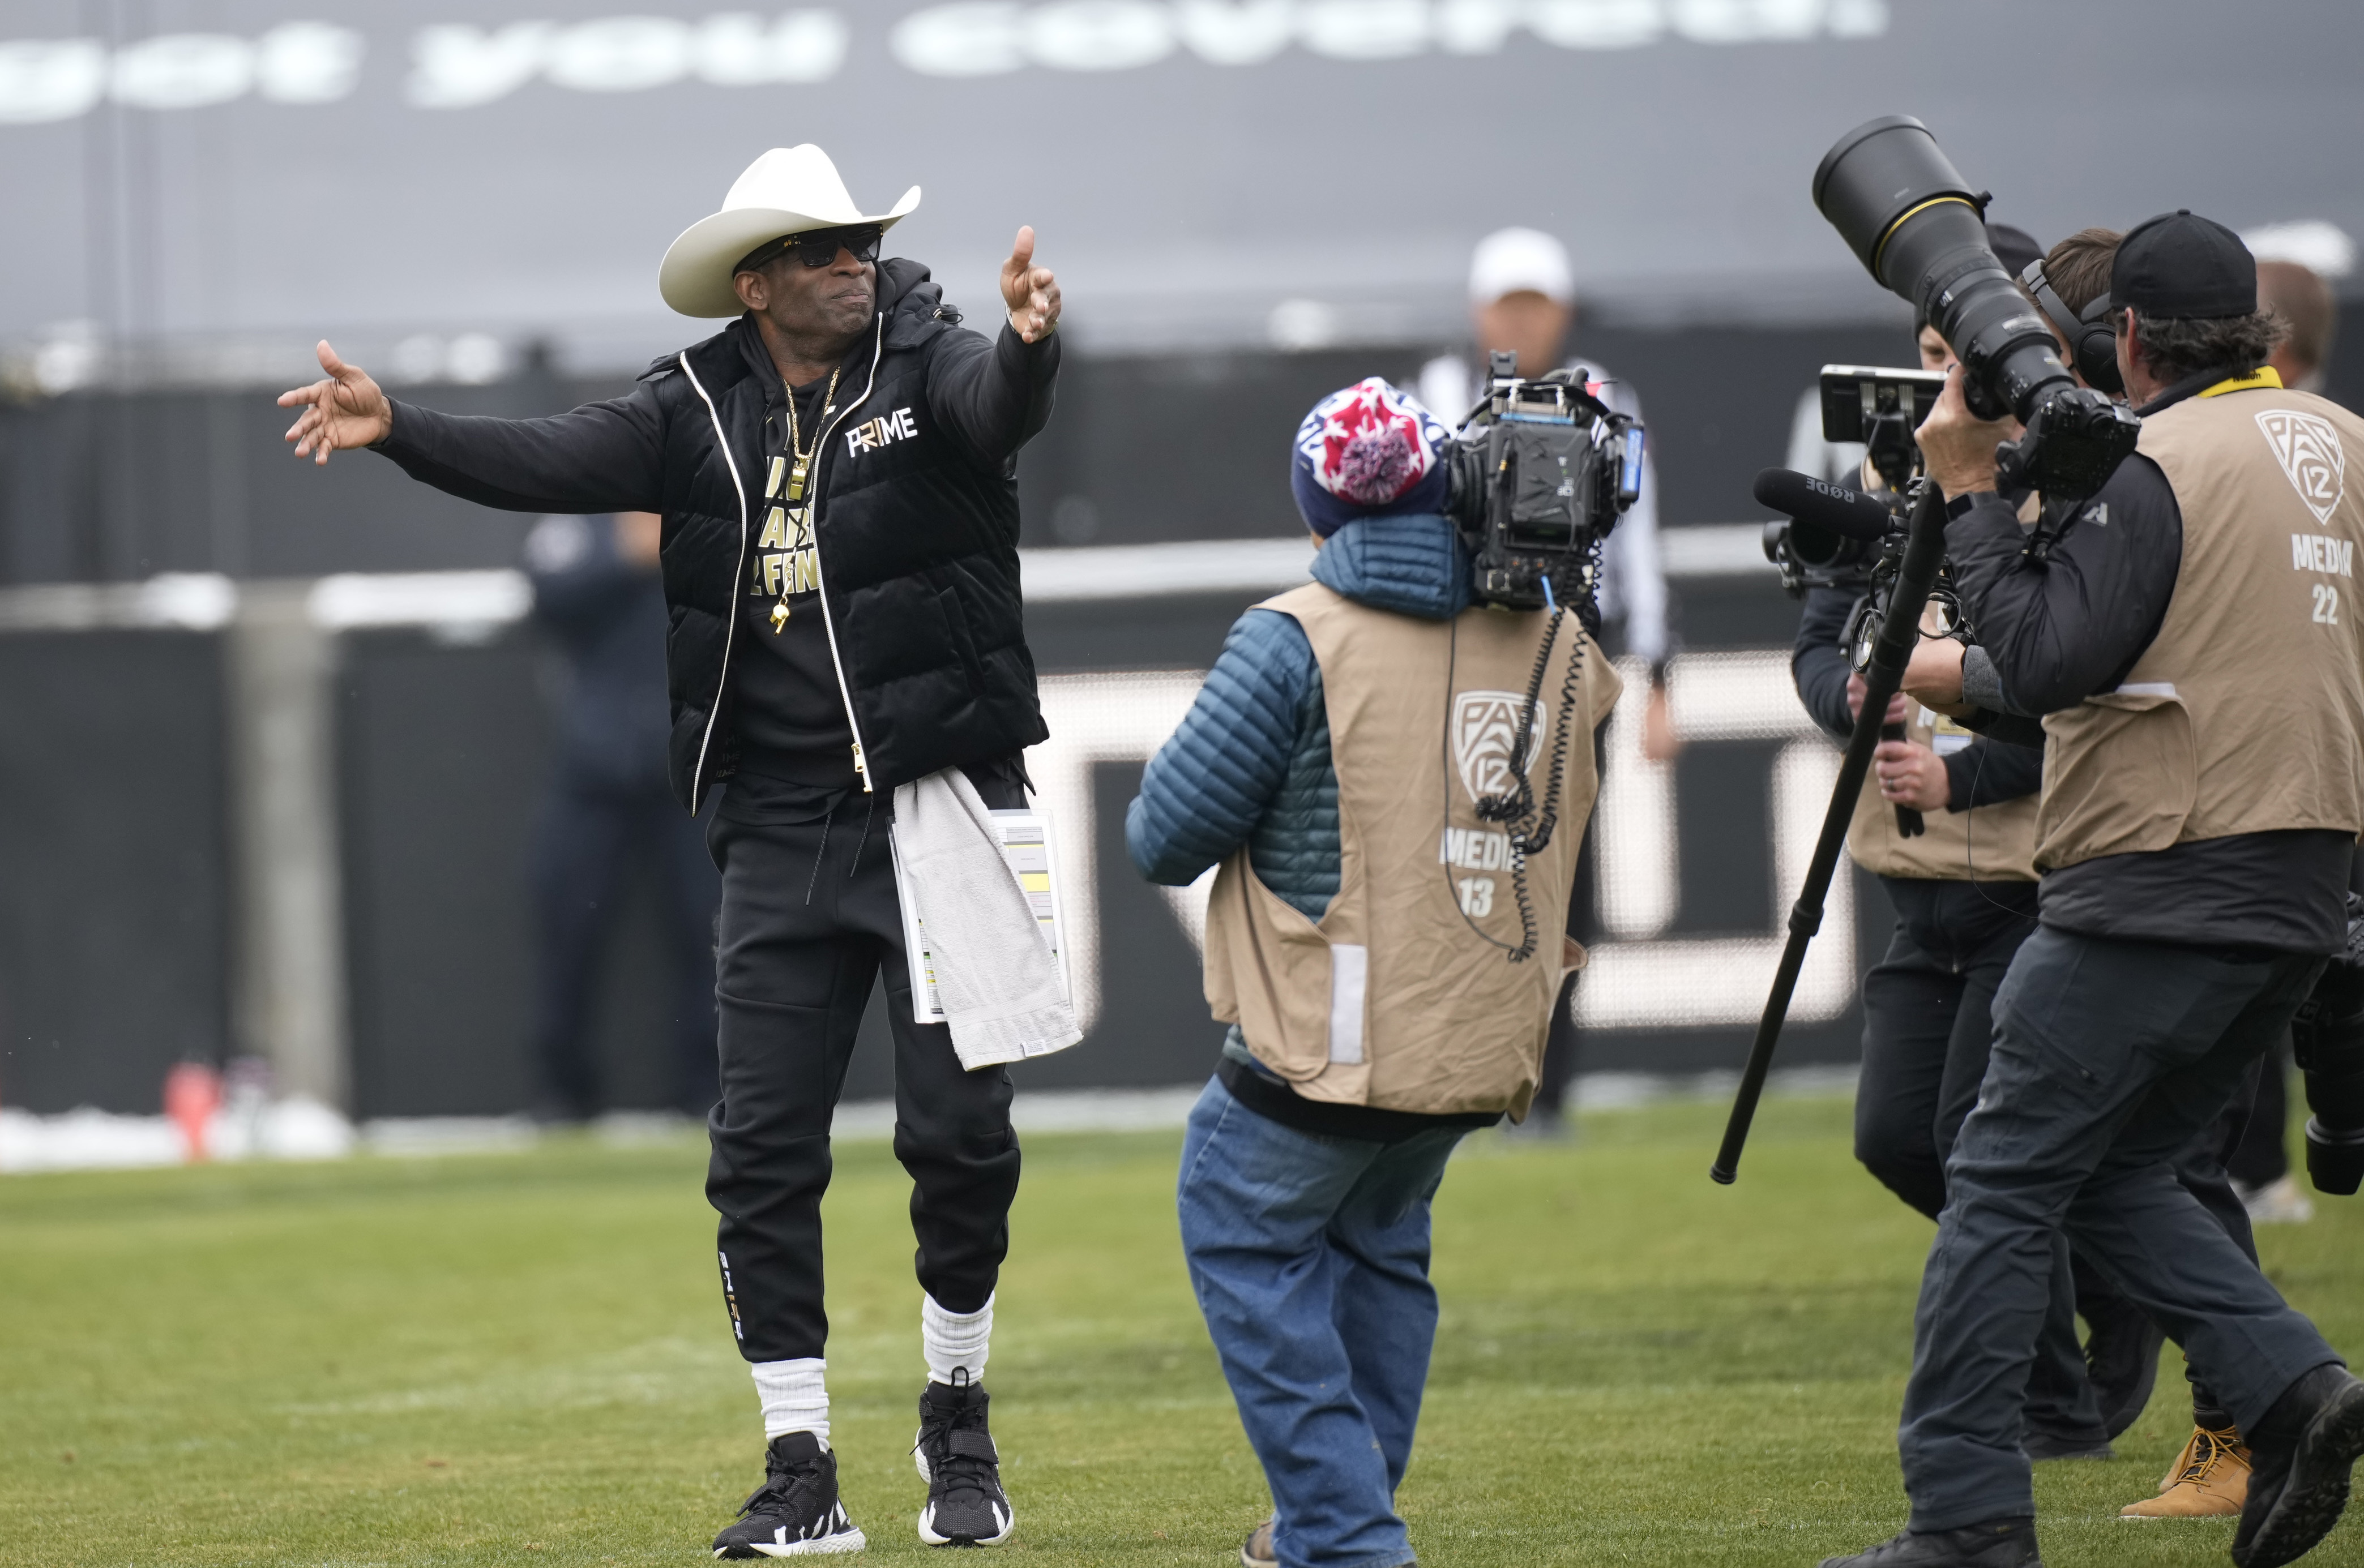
<point>1310,1258</point>
<point>2109,1058</point>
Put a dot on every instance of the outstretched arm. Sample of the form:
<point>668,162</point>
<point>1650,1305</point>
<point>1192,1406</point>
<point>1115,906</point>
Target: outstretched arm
<point>343,409</point>
<point>996,396</point>
<point>603,457</point>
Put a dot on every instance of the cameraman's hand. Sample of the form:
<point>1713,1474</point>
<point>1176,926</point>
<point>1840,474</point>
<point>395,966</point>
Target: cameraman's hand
<point>1957,447</point>
<point>1897,706</point>
<point>1911,775</point>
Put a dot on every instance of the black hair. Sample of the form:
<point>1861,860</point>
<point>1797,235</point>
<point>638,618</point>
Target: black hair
<point>2178,346</point>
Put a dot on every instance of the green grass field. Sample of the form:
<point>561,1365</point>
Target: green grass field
<point>522,1359</point>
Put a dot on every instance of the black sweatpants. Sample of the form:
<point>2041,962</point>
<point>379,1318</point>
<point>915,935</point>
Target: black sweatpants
<point>810,919</point>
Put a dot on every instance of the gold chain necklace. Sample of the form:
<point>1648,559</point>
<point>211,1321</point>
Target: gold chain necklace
<point>799,467</point>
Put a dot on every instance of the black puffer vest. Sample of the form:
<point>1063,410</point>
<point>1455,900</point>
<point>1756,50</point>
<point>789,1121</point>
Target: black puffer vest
<point>918,549</point>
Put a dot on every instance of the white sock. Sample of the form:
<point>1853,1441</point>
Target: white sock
<point>954,1340</point>
<point>794,1396</point>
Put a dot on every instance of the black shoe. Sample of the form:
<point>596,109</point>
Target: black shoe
<point>795,1512</point>
<point>2122,1362</point>
<point>2040,1446</point>
<point>965,1504</point>
<point>2302,1454</point>
<point>1998,1543</point>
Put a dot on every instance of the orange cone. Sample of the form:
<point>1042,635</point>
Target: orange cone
<point>193,1092</point>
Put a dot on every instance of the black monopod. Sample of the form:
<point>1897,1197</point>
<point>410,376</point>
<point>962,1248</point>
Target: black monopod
<point>1924,551</point>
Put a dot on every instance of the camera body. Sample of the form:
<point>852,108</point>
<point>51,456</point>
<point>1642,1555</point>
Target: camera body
<point>1539,472</point>
<point>1813,557</point>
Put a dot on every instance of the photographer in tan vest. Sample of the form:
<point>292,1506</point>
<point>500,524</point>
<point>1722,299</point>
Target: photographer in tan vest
<point>2210,1477</point>
<point>2202,677</point>
<point>1388,972</point>
<point>1963,894</point>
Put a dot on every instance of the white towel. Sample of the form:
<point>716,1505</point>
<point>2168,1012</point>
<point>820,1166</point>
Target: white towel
<point>995,974</point>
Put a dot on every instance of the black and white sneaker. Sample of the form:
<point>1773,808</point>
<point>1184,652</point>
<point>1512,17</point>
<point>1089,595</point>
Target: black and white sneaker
<point>794,1513</point>
<point>965,1504</point>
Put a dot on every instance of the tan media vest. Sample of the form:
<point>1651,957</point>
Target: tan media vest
<point>1986,843</point>
<point>2245,715</point>
<point>1392,999</point>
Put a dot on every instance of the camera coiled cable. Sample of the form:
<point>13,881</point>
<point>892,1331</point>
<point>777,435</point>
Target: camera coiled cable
<point>1528,827</point>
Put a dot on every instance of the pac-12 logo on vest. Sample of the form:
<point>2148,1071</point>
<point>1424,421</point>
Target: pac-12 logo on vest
<point>2309,450</point>
<point>886,429</point>
<point>1484,728</point>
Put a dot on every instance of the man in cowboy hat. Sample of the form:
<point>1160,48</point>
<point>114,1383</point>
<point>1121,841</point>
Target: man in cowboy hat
<point>835,472</point>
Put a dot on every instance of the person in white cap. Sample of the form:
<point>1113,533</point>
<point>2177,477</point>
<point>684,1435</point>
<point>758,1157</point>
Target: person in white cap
<point>1523,299</point>
<point>836,470</point>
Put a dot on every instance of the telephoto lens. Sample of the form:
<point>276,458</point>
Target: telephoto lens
<point>1917,226</point>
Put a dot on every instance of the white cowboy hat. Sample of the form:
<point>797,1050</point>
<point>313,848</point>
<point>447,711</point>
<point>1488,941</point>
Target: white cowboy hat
<point>786,191</point>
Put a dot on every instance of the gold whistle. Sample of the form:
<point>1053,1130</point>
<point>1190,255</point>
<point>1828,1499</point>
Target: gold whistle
<point>779,617</point>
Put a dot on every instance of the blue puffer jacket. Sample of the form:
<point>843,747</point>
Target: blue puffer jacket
<point>1251,763</point>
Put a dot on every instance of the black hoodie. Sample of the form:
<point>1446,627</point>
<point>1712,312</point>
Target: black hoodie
<point>916,521</point>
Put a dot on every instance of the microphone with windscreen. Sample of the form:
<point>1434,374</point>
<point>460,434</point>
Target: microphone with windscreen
<point>1834,508</point>
<point>1835,531</point>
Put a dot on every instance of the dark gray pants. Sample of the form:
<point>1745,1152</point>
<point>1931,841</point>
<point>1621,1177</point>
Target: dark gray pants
<point>1928,1023</point>
<point>2109,1057</point>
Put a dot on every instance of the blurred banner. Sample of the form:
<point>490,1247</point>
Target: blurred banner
<point>291,821</point>
<point>224,180</point>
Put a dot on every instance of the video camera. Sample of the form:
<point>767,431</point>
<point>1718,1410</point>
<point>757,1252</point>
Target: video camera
<point>1916,226</point>
<point>1538,475</point>
<point>1539,472</point>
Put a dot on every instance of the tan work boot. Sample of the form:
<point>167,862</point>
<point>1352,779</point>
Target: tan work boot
<point>1257,1551</point>
<point>2209,1479</point>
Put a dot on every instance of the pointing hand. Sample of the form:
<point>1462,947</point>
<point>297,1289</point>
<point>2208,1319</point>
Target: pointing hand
<point>1031,292</point>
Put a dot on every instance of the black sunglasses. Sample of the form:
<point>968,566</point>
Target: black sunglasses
<point>817,248</point>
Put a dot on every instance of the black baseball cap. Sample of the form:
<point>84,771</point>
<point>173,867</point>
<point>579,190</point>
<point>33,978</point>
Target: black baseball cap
<point>2014,248</point>
<point>2178,265</point>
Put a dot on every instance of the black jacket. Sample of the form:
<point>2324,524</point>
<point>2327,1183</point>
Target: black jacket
<point>2065,630</point>
<point>917,526</point>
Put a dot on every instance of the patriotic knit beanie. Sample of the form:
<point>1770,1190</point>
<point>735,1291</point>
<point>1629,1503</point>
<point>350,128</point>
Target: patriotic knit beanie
<point>1368,451</point>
